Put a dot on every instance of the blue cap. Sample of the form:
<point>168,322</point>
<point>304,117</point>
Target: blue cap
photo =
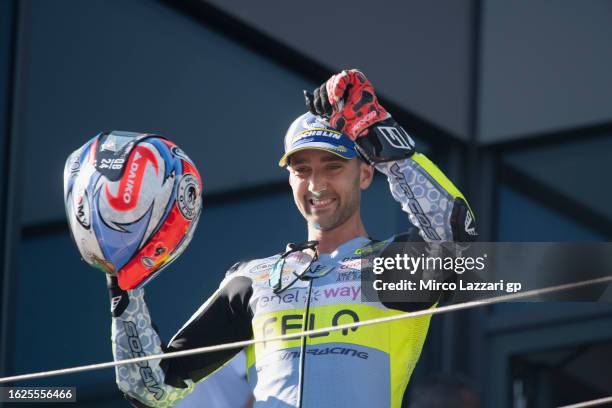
<point>311,132</point>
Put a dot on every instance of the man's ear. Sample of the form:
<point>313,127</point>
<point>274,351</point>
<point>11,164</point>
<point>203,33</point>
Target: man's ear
<point>366,175</point>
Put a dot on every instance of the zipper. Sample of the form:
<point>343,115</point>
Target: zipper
<point>303,344</point>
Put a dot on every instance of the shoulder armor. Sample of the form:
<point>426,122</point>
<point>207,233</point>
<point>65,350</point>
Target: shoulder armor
<point>235,267</point>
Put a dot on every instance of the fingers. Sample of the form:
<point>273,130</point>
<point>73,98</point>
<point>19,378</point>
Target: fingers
<point>318,102</point>
<point>339,124</point>
<point>321,102</point>
<point>332,96</point>
<point>309,100</point>
<point>336,86</point>
<point>359,75</point>
<point>347,92</point>
<point>327,107</point>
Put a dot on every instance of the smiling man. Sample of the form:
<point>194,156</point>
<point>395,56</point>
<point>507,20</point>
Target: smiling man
<point>331,154</point>
<point>327,191</point>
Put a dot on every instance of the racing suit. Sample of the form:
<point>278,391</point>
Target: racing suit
<point>369,366</point>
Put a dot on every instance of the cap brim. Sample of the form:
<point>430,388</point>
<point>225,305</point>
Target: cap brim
<point>348,154</point>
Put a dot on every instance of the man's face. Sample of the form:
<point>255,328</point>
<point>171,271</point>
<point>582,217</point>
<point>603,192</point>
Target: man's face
<point>327,188</point>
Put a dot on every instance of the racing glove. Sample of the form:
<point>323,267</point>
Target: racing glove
<point>348,101</point>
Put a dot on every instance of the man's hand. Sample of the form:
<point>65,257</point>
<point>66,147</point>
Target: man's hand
<point>348,100</point>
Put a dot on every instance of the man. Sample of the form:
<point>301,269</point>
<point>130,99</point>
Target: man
<point>331,154</point>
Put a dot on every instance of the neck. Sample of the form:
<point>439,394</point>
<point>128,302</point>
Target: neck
<point>329,240</point>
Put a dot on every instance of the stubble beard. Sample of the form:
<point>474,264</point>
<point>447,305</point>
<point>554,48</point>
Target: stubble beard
<point>341,214</point>
<point>338,218</point>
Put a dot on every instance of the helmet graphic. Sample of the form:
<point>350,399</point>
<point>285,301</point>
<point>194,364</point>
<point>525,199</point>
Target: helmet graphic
<point>133,201</point>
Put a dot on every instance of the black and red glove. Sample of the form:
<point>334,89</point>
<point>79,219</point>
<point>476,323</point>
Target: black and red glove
<point>348,101</point>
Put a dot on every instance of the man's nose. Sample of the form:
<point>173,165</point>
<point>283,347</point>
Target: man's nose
<point>317,182</point>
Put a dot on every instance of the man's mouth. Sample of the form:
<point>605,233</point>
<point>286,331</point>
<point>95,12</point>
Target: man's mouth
<point>320,203</point>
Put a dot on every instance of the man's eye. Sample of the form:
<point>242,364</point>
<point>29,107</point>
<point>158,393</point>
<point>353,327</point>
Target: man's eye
<point>334,167</point>
<point>301,170</point>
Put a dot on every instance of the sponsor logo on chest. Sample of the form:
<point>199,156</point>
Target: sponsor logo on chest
<point>346,292</point>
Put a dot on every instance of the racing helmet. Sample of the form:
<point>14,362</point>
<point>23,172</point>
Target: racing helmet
<point>133,201</point>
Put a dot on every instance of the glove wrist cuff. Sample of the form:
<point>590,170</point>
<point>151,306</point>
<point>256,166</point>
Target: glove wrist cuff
<point>386,141</point>
<point>119,298</point>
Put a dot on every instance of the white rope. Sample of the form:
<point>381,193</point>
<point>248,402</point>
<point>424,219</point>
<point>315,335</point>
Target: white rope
<point>241,344</point>
<point>593,403</point>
